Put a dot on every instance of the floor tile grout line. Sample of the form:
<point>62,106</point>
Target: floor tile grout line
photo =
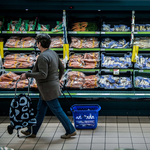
<point>42,132</point>
<point>92,138</point>
<point>53,136</point>
<point>117,132</point>
<point>130,131</point>
<point>105,135</point>
<point>142,133</point>
<point>78,140</point>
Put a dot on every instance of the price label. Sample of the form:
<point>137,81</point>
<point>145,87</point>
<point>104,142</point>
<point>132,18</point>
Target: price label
<point>140,70</point>
<point>97,32</point>
<point>135,32</point>
<point>4,31</point>
<point>102,49</point>
<point>5,48</point>
<point>102,32</point>
<point>37,32</point>
<point>24,32</point>
<point>116,72</point>
<point>71,49</point>
<point>72,32</point>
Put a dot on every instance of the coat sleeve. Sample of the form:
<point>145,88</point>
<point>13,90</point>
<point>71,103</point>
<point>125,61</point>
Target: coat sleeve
<point>61,68</point>
<point>42,69</point>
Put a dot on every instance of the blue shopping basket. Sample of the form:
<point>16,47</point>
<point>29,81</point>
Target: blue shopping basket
<point>85,115</point>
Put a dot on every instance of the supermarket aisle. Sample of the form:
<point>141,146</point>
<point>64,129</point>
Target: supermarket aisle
<point>113,132</point>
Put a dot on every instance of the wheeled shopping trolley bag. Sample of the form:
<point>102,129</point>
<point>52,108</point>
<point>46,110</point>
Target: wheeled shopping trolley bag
<point>21,113</point>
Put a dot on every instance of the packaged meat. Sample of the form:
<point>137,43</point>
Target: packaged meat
<point>19,42</point>
<point>142,42</point>
<point>58,27</point>
<point>142,82</point>
<point>84,60</point>
<point>110,43</point>
<point>142,61</point>
<point>112,61</point>
<point>42,27</point>
<point>79,42</point>
<point>115,28</point>
<point>56,42</point>
<point>33,83</point>
<point>113,82</point>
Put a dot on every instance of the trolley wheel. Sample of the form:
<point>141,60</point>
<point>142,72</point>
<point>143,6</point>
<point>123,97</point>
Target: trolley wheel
<point>10,129</point>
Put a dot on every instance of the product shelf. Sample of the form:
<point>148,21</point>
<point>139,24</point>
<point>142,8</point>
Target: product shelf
<point>115,32</point>
<point>115,49</point>
<point>18,32</point>
<point>85,94</point>
<point>49,32</point>
<point>18,49</point>
<point>84,49</point>
<point>54,49</point>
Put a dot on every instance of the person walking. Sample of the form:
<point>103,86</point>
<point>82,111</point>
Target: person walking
<point>45,72</point>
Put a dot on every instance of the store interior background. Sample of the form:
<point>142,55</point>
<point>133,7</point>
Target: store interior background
<point>108,10</point>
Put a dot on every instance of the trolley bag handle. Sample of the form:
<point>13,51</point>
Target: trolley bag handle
<point>16,86</point>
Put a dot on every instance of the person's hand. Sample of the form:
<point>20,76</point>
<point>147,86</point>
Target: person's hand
<point>23,76</point>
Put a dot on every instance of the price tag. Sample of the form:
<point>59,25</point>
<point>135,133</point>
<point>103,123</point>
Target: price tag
<point>97,32</point>
<point>4,31</point>
<point>102,32</point>
<point>140,70</point>
<point>102,49</point>
<point>135,32</point>
<point>24,32</point>
<point>72,32</point>
<point>71,49</point>
<point>37,32</point>
<point>116,72</point>
<point>5,48</point>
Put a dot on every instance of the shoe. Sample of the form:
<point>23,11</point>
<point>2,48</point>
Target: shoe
<point>67,136</point>
<point>28,133</point>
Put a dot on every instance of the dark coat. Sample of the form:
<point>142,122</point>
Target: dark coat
<point>47,72</point>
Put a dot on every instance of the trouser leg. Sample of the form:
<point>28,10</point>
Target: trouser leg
<point>55,107</point>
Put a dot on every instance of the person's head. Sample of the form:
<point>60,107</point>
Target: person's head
<point>44,40</point>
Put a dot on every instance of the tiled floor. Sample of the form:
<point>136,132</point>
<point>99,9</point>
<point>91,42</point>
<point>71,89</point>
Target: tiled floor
<point>112,132</point>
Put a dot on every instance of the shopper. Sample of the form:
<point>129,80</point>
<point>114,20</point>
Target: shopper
<point>47,77</point>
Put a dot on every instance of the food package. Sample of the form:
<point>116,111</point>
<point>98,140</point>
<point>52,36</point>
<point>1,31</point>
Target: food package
<point>84,26</point>
<point>58,28</point>
<point>142,82</point>
<point>87,60</point>
<point>142,27</point>
<point>8,81</point>
<point>42,27</point>
<point>33,84</point>
<point>79,42</point>
<point>56,42</point>
<point>115,28</point>
<point>112,82</point>
<point>19,42</point>
<point>21,25</point>
<point>76,79</point>
<point>19,60</point>
<point>142,62</point>
<point>142,42</point>
<point>110,43</point>
<point>116,62</point>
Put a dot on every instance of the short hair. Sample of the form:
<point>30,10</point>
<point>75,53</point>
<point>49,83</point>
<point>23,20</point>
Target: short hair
<point>44,39</point>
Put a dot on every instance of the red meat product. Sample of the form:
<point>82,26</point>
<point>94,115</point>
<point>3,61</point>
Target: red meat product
<point>6,85</point>
<point>75,64</point>
<point>74,84</point>
<point>72,75</point>
<point>91,78</point>
<point>90,84</point>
